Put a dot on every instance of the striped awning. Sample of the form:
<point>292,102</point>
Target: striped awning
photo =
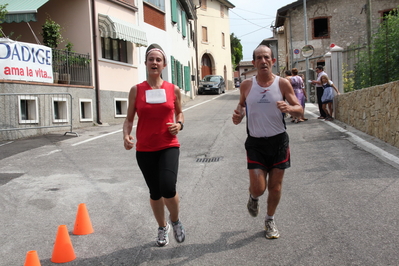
<point>115,28</point>
<point>21,10</point>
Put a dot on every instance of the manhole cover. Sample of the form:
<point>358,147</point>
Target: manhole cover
<point>208,160</point>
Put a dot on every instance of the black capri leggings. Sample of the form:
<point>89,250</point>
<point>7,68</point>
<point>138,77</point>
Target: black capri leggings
<point>160,171</point>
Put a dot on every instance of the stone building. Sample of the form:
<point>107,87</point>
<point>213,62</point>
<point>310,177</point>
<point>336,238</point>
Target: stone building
<point>348,24</point>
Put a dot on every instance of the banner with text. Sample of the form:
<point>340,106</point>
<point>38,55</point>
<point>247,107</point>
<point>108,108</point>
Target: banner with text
<point>25,61</point>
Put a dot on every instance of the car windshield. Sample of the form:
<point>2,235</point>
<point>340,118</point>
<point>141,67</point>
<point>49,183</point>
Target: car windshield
<point>212,78</point>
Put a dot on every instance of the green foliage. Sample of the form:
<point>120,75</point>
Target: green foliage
<point>51,33</point>
<point>236,50</point>
<point>378,65</point>
<point>349,80</point>
<point>3,13</point>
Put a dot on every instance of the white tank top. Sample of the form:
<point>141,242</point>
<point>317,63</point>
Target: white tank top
<point>264,119</point>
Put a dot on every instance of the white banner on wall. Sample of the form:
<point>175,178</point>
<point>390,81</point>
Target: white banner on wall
<point>25,61</point>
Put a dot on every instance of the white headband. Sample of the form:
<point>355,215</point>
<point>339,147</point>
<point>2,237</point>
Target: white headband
<point>156,49</point>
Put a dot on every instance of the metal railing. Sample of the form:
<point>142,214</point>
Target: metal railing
<point>71,68</point>
<point>29,111</point>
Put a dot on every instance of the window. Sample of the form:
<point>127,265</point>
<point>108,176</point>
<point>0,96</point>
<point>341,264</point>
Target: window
<point>157,3</point>
<point>121,107</point>
<point>28,109</point>
<point>114,49</point>
<point>203,4</point>
<point>204,34</point>
<point>223,40</point>
<point>60,110</point>
<point>86,110</point>
<point>392,12</point>
<point>222,11</point>
<point>321,28</point>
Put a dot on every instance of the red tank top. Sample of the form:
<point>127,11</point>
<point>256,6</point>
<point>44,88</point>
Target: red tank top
<point>152,132</point>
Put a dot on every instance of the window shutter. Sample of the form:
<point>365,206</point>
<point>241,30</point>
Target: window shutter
<point>179,74</point>
<point>173,4</point>
<point>184,23</point>
<point>187,78</point>
<point>172,68</point>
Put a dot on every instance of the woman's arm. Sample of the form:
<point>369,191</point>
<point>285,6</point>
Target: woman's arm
<point>174,128</point>
<point>128,124</point>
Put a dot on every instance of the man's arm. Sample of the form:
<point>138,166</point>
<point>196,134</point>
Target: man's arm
<point>239,112</point>
<point>293,108</point>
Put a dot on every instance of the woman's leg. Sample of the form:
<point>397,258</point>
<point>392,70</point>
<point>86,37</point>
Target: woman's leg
<point>158,208</point>
<point>169,164</point>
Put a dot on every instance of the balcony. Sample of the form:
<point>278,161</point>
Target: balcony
<point>72,68</point>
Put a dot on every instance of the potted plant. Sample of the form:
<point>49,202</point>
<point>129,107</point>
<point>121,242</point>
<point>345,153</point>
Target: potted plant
<point>51,38</point>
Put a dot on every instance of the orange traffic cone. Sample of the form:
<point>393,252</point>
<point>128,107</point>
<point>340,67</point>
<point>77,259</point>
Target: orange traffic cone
<point>63,249</point>
<point>82,224</point>
<point>32,259</point>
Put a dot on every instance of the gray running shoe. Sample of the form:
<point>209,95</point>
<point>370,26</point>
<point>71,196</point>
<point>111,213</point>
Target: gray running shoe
<point>163,238</point>
<point>271,230</point>
<point>178,231</point>
<point>253,206</point>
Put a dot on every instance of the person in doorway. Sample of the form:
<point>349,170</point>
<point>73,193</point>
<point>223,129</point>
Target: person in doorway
<point>263,100</point>
<point>300,93</point>
<point>160,118</point>
<point>328,96</point>
<point>319,90</point>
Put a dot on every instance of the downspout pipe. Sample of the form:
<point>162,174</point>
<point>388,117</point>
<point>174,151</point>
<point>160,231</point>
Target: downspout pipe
<point>95,61</point>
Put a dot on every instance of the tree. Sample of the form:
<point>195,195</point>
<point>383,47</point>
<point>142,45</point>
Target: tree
<point>236,50</point>
<point>51,33</point>
<point>381,65</point>
<point>3,13</point>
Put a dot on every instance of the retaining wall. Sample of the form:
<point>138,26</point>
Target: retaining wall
<point>373,110</point>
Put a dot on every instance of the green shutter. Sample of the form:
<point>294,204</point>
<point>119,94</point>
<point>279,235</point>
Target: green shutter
<point>172,68</point>
<point>179,78</point>
<point>187,78</point>
<point>184,22</point>
<point>173,4</point>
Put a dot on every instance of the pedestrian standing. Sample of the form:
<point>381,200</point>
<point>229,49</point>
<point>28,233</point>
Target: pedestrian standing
<point>319,90</point>
<point>328,96</point>
<point>160,118</point>
<point>300,93</point>
<point>263,100</point>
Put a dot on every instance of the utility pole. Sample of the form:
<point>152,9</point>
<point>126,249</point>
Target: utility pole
<point>368,19</point>
<point>306,43</point>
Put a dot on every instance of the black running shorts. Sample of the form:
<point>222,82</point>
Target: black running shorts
<point>268,153</point>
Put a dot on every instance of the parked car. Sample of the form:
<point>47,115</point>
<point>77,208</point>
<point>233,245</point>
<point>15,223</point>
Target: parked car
<point>212,83</point>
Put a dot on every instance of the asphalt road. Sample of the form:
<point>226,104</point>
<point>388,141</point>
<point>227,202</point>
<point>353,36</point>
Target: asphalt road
<point>339,203</point>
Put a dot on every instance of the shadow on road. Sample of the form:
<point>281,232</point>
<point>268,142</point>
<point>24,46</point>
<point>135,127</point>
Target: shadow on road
<point>179,255</point>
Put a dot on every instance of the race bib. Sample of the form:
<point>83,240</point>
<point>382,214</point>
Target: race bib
<point>155,96</point>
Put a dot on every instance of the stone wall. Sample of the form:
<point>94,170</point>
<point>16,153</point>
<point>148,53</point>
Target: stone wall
<point>373,110</point>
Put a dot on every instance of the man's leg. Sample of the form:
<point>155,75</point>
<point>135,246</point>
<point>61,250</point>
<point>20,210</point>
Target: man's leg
<point>257,186</point>
<point>257,182</point>
<point>274,185</point>
<point>319,94</point>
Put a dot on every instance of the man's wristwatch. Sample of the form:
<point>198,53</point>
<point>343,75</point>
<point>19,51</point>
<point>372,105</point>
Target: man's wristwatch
<point>181,125</point>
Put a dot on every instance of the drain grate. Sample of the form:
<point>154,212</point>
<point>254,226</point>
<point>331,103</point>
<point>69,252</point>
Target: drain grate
<point>208,160</point>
